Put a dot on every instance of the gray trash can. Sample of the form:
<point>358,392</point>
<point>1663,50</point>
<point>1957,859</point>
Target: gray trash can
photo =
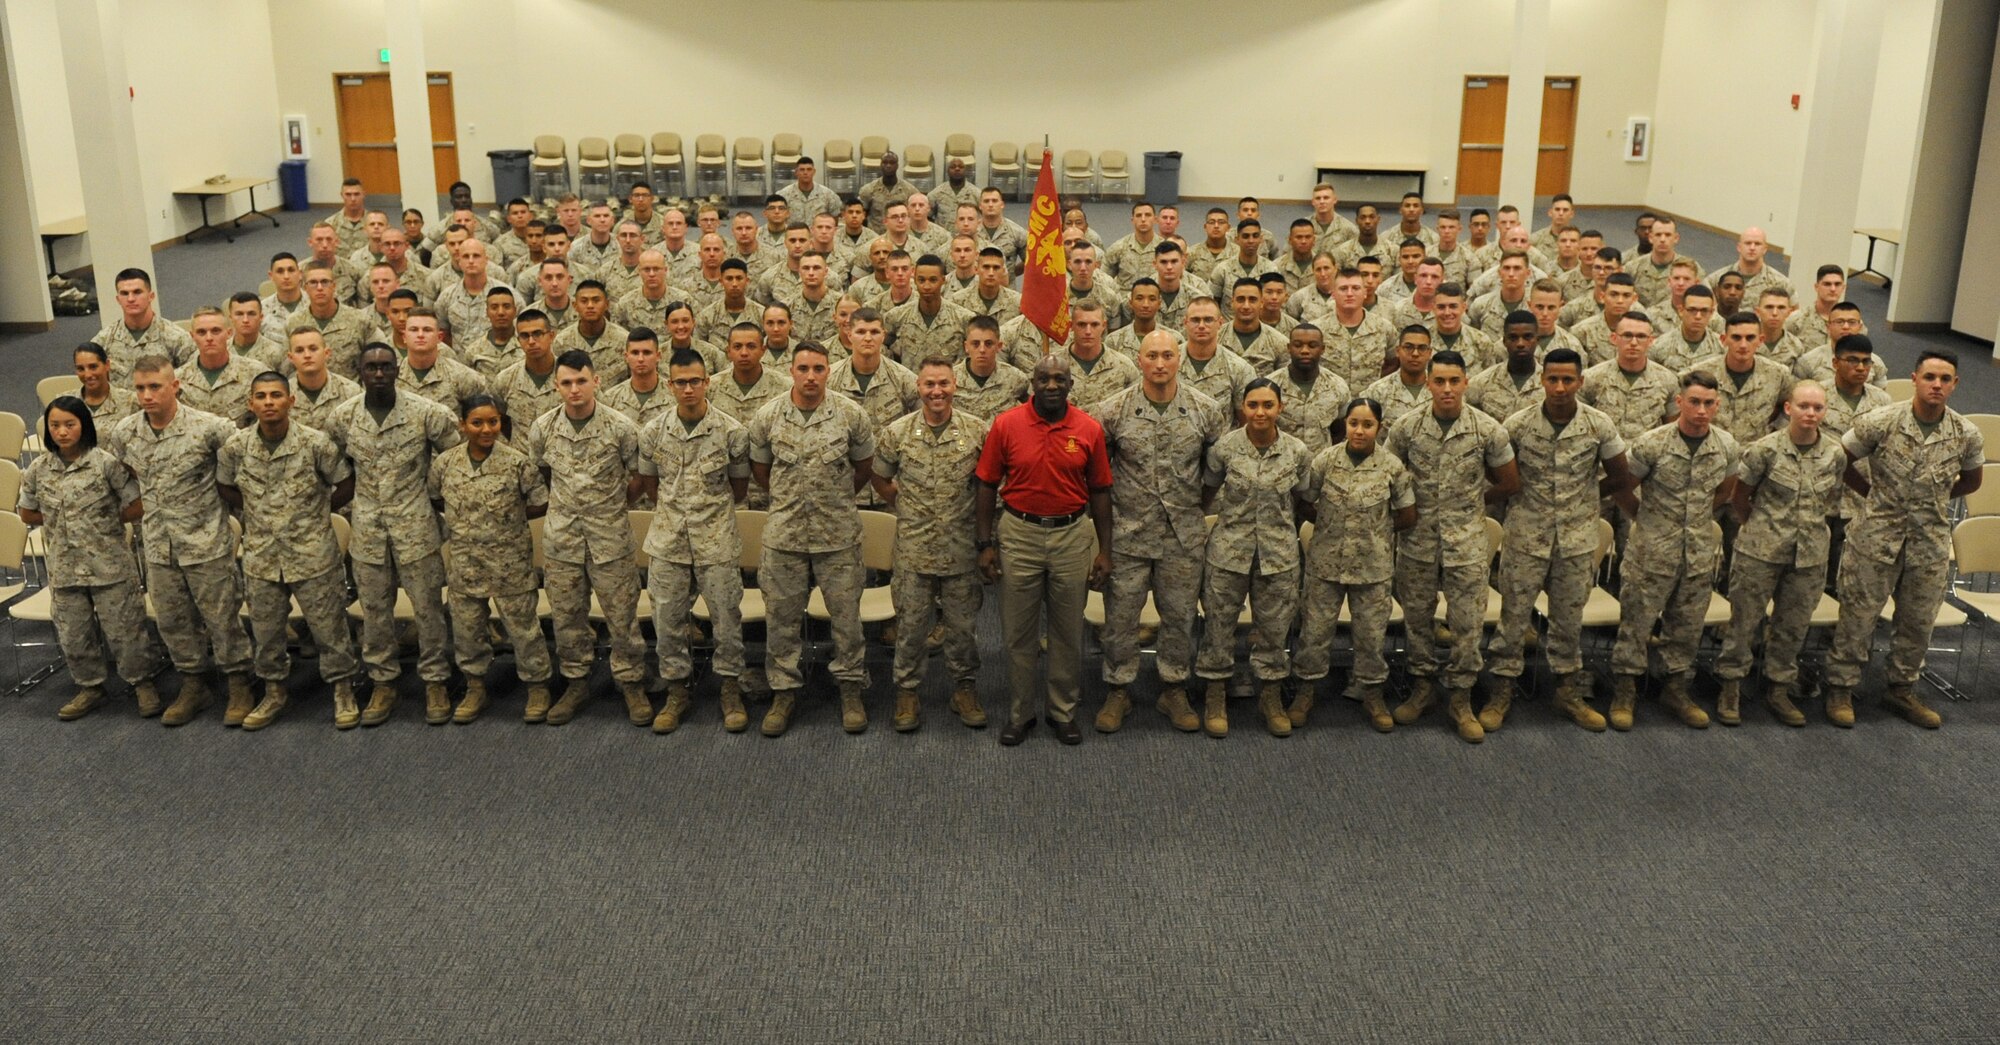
<point>1163,178</point>
<point>292,184</point>
<point>510,174</point>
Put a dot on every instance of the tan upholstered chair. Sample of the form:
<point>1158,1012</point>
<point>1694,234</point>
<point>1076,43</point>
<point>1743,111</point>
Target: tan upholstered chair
<point>669,165</point>
<point>548,169</point>
<point>711,165</point>
<point>749,169</point>
<point>593,168</point>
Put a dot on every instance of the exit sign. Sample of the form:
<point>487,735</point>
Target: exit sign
<point>384,55</point>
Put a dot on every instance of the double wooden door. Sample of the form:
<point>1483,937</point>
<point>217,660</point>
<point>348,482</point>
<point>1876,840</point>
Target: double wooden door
<point>368,130</point>
<point>1483,132</point>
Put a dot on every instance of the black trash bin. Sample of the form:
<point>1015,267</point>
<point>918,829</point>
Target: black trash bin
<point>1163,178</point>
<point>510,174</point>
<point>292,184</point>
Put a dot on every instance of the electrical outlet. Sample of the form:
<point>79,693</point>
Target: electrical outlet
<point>472,128</point>
<point>163,213</point>
<point>1281,177</point>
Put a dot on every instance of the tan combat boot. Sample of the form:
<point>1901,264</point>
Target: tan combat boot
<point>148,696</point>
<point>853,714</point>
<point>1499,697</point>
<point>1840,706</point>
<point>965,704</point>
<point>437,703</point>
<point>381,703</point>
<point>1271,701</point>
<point>86,700</point>
<point>573,698</point>
<point>677,705</point>
<point>1729,703</point>
<point>638,706</point>
<point>779,718</point>
<point>1459,706</point>
<point>346,715</point>
<point>1215,710</point>
<point>1624,695</point>
<point>1173,703</point>
<point>193,697</point>
<point>537,710</point>
<point>1111,717</point>
<point>474,701</point>
<point>1421,695</point>
<point>241,699</point>
<point>734,718</point>
<point>907,717</point>
<point>1571,700</point>
<point>1902,699</point>
<point>1675,698</point>
<point>1778,697</point>
<point>1373,706</point>
<point>266,712</point>
<point>1303,692</point>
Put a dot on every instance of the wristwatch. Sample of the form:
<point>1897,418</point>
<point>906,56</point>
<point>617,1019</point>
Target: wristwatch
<point>985,544</point>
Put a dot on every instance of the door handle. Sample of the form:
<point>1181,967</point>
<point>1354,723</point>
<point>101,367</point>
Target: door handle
<point>444,145</point>
<point>371,145</point>
<point>1480,146</point>
<point>1554,148</point>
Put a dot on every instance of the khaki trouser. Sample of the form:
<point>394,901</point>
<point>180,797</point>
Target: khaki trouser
<point>100,625</point>
<point>1417,586</point>
<point>616,583</point>
<point>322,605</point>
<point>472,634</point>
<point>673,586</point>
<point>423,580</point>
<point>921,599</point>
<point>1865,585</point>
<point>1044,569</point>
<point>1368,605</point>
<point>1795,591</point>
<point>1678,602</point>
<point>196,606</point>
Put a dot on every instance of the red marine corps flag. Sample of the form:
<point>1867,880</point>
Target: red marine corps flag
<point>1045,282</point>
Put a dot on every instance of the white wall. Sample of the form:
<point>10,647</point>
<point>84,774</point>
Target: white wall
<point>1977,311</point>
<point>1160,74</point>
<point>1727,144</point>
<point>204,103</point>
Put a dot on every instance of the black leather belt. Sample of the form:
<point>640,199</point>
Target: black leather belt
<point>1050,522</point>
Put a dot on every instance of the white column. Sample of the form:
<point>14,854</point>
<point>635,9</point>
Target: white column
<point>24,297</point>
<point>1530,66</point>
<point>1847,46</point>
<point>107,148</point>
<point>411,100</point>
<point>1942,177</point>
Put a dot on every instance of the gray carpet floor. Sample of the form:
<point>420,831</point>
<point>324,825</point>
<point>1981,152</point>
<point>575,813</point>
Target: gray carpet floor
<point>596,882</point>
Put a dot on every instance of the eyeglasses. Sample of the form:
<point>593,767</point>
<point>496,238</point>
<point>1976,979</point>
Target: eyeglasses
<point>688,382</point>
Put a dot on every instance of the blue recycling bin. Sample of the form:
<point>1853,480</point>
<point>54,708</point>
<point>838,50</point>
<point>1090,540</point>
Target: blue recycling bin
<point>292,184</point>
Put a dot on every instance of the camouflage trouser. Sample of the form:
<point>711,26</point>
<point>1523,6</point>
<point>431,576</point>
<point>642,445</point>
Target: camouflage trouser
<point>1274,604</point>
<point>100,624</point>
<point>423,580</point>
<point>322,605</point>
<point>1567,580</point>
<point>616,584</point>
<point>196,606</point>
<point>472,634</point>
<point>672,587</point>
<point>1368,605</point>
<point>1865,586</point>
<point>1673,598</point>
<point>922,599</point>
<point>787,578</point>
<point>1793,592</point>
<point>1464,587</point>
<point>1175,582</point>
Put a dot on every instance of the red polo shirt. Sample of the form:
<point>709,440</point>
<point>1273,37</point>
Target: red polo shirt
<point>1050,468</point>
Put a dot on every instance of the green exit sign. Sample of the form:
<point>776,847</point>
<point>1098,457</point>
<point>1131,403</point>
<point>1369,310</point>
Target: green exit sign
<point>385,56</point>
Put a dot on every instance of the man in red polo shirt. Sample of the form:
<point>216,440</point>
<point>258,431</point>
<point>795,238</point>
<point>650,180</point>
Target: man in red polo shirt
<point>1053,461</point>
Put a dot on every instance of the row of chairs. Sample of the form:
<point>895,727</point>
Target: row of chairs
<point>609,168</point>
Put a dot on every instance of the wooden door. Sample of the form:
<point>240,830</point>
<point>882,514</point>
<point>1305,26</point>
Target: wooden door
<point>1558,138</point>
<point>1482,130</point>
<point>444,130</point>
<point>367,131</point>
